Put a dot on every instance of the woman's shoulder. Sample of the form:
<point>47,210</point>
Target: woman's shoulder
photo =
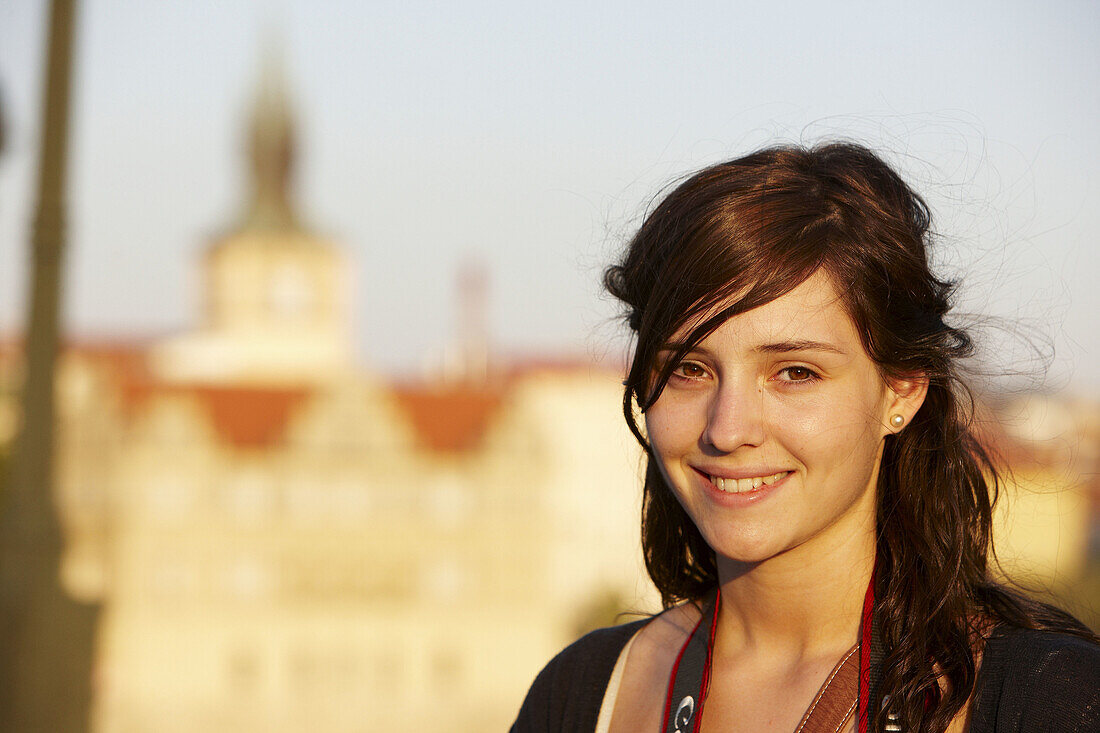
<point>594,650</point>
<point>1038,680</point>
<point>1040,655</point>
<point>567,693</point>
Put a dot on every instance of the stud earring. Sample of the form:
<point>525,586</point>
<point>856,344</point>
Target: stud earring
<point>897,420</point>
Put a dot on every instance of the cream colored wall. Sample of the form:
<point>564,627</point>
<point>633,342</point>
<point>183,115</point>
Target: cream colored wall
<point>278,308</point>
<point>1043,518</point>
<point>325,579</point>
<point>276,281</point>
<point>90,437</point>
<point>588,484</point>
<point>1041,527</point>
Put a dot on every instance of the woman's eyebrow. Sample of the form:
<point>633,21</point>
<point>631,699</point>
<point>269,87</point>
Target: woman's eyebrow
<point>674,346</point>
<point>778,347</point>
<point>783,347</point>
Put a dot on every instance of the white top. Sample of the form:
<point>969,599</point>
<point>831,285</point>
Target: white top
<point>607,707</point>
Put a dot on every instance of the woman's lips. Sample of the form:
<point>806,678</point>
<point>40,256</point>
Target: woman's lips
<point>744,485</point>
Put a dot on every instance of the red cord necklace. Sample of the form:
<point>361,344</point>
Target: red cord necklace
<point>690,679</point>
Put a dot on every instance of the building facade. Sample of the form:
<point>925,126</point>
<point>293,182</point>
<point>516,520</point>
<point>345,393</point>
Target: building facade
<point>284,541</point>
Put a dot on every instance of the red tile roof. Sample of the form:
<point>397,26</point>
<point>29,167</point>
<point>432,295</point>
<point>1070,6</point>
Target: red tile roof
<point>250,417</point>
<point>450,418</point>
<point>243,416</point>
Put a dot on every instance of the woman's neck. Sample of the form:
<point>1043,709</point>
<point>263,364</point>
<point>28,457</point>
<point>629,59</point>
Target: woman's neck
<point>801,604</point>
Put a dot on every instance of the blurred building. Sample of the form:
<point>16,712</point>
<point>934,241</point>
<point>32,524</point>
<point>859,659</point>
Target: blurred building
<point>303,556</point>
<point>284,541</point>
<point>1047,522</point>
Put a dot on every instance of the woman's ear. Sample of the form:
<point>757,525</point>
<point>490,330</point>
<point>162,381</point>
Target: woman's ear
<point>905,396</point>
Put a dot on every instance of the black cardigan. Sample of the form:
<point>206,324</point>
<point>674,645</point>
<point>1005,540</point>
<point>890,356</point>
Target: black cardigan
<point>1029,682</point>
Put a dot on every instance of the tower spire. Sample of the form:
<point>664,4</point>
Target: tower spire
<point>271,147</point>
<point>473,329</point>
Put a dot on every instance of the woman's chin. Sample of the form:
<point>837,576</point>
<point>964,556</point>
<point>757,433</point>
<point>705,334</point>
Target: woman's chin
<point>746,552</point>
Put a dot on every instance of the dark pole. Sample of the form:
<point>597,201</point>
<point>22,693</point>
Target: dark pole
<point>45,637</point>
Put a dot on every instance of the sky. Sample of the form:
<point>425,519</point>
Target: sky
<point>532,136</point>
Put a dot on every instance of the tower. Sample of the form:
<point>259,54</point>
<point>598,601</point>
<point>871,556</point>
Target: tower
<point>467,358</point>
<point>276,305</point>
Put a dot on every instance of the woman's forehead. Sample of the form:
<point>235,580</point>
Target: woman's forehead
<point>811,311</point>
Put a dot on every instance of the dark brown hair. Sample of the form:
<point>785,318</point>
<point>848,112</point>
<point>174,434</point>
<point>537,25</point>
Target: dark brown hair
<point>748,231</point>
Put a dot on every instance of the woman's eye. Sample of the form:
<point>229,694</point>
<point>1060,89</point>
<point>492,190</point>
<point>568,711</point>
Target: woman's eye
<point>689,370</point>
<point>797,374</point>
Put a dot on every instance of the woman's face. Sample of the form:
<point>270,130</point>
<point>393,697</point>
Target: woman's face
<point>771,429</point>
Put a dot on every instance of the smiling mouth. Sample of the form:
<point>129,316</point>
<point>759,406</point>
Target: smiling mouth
<point>744,485</point>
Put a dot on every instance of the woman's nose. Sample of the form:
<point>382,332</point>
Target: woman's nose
<point>735,417</point>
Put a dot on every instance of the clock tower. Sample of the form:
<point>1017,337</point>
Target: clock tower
<point>276,301</point>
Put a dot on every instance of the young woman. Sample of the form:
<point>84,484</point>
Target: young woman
<point>816,509</point>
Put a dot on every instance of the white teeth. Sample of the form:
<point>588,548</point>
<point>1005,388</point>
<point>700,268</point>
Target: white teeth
<point>740,486</point>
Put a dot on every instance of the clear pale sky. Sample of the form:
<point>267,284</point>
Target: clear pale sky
<point>532,135</point>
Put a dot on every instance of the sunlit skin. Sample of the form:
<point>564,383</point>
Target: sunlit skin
<point>786,388</point>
